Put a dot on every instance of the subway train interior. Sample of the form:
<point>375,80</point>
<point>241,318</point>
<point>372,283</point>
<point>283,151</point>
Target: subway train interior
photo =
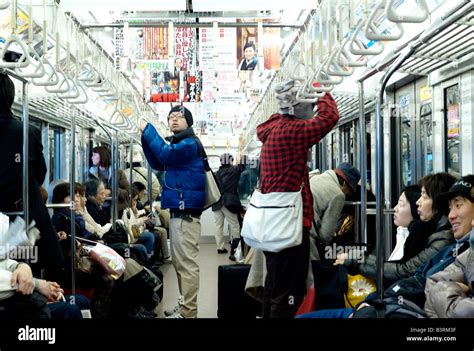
<point>99,92</point>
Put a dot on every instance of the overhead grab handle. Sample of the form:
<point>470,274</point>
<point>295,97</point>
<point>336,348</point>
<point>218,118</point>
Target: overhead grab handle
<point>52,77</point>
<point>4,4</point>
<point>418,17</point>
<point>327,80</point>
<point>344,58</point>
<point>82,99</point>
<point>38,71</point>
<point>371,31</point>
<point>24,60</point>
<point>333,67</point>
<point>62,86</point>
<point>71,93</point>
<point>360,49</point>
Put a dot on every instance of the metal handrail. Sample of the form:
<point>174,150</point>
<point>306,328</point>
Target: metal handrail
<point>58,205</point>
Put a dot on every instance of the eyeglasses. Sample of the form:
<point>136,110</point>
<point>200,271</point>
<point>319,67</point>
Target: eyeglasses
<point>175,115</point>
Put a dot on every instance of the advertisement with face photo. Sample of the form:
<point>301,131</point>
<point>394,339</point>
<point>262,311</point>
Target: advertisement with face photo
<point>167,87</point>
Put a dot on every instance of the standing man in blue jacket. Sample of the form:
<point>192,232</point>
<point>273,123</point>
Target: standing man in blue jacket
<point>184,194</point>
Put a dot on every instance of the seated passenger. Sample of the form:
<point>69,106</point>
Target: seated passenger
<point>102,170</point>
<point>17,302</point>
<point>449,293</point>
<point>432,234</point>
<point>95,192</point>
<point>91,225</point>
<point>154,225</point>
<point>135,223</point>
<point>412,288</point>
<point>62,216</point>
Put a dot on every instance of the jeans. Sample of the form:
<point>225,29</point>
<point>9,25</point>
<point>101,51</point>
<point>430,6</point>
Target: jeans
<point>335,313</point>
<point>67,309</point>
<point>147,239</point>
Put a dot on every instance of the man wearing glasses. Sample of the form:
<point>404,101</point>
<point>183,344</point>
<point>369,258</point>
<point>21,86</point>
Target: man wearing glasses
<point>184,194</point>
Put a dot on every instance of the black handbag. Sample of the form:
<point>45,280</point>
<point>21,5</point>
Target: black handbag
<point>232,300</point>
<point>330,283</point>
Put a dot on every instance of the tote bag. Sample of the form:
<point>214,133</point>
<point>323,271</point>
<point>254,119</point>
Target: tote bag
<point>274,221</point>
<point>213,192</point>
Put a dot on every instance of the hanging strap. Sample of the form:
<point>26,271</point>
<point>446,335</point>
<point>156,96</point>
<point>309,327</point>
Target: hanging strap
<point>202,153</point>
<point>139,173</point>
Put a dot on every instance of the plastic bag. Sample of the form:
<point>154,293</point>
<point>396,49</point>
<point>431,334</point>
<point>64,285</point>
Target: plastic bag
<point>110,260</point>
<point>239,257</point>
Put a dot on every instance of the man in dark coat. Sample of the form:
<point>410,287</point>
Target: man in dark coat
<point>228,208</point>
<point>50,256</point>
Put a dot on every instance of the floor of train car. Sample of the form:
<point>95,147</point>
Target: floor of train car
<point>209,261</point>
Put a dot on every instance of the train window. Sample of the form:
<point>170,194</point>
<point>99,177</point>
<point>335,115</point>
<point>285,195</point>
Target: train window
<point>452,130</point>
<point>406,141</point>
<point>426,121</point>
<point>57,153</point>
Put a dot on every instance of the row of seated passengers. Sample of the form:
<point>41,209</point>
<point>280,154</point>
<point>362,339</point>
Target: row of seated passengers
<point>142,248</point>
<point>431,267</point>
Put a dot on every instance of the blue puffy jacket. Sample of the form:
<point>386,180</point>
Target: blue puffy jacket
<point>185,181</point>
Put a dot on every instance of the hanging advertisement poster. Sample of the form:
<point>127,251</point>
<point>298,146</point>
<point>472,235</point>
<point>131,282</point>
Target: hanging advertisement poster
<point>247,49</point>
<point>155,43</point>
<point>271,48</point>
<point>185,49</point>
<point>453,121</point>
<point>193,81</point>
<point>224,53</point>
<point>167,87</point>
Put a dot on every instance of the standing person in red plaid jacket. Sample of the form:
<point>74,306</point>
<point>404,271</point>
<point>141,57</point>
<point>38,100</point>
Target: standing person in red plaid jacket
<point>287,136</point>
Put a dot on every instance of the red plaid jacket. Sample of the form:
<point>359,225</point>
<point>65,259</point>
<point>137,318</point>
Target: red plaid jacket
<point>286,141</point>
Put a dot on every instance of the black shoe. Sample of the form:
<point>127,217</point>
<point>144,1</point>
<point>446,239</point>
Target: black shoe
<point>232,258</point>
<point>222,251</point>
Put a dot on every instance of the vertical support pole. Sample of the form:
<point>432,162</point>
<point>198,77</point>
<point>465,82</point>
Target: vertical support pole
<point>131,161</point>
<point>26,154</point>
<point>363,166</point>
<point>114,178</point>
<point>379,187</point>
<point>72,180</point>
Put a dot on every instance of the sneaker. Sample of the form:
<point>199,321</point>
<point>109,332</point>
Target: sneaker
<point>222,251</point>
<point>176,315</point>
<point>170,312</point>
<point>232,258</point>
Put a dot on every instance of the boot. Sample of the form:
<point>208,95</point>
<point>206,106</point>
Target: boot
<point>233,247</point>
